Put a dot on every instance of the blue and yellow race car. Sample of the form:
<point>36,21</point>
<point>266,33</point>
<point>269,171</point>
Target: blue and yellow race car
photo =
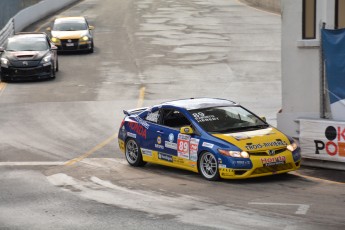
<point>215,137</point>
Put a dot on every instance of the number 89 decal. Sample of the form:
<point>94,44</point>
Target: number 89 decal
<point>183,146</point>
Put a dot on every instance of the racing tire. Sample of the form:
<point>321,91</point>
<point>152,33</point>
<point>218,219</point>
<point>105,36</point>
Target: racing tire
<point>133,153</point>
<point>53,73</point>
<point>92,48</point>
<point>208,166</point>
<point>57,66</point>
<point>4,79</point>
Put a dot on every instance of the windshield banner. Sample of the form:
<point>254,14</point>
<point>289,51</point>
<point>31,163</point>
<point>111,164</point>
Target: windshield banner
<point>333,45</point>
<point>323,140</point>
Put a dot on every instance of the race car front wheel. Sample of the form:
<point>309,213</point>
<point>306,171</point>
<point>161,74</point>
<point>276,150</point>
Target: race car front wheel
<point>133,153</point>
<point>208,166</point>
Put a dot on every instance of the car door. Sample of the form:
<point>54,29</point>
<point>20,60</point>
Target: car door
<point>175,143</point>
<point>181,147</point>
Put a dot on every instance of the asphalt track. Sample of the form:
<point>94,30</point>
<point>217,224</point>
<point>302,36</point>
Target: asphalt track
<point>60,166</point>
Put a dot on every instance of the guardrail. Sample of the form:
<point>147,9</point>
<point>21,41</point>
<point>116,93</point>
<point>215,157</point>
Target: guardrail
<point>30,15</point>
<point>7,31</point>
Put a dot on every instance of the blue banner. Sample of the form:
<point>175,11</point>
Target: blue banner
<point>333,45</point>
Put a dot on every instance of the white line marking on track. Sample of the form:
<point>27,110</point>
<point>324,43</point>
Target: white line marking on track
<point>301,210</point>
<point>32,163</point>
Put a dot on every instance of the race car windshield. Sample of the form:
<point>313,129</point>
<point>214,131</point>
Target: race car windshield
<point>70,26</point>
<point>227,119</point>
<point>27,44</point>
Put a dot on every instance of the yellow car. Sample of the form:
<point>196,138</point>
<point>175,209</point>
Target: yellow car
<point>72,34</point>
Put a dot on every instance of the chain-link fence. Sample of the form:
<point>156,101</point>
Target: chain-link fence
<point>9,8</point>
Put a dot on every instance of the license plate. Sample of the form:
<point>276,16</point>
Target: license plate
<point>69,44</point>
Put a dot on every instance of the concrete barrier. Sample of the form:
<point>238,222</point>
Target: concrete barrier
<point>32,14</point>
<point>7,31</point>
<point>270,5</point>
<point>9,8</point>
<point>38,11</point>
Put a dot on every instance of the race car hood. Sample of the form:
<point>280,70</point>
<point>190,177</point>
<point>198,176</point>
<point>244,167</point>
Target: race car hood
<point>25,55</point>
<point>69,34</point>
<point>258,140</point>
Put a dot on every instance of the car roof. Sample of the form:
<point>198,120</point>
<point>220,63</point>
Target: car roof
<point>70,19</point>
<point>30,34</point>
<point>199,103</point>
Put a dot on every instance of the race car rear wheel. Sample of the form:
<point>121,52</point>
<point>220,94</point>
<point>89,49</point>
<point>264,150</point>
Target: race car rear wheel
<point>208,166</point>
<point>133,153</point>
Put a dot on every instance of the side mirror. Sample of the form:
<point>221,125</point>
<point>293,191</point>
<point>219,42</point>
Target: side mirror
<point>186,130</point>
<point>91,27</point>
<point>2,49</point>
<point>49,29</point>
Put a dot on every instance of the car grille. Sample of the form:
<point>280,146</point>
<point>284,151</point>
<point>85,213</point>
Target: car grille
<point>266,153</point>
<point>273,168</point>
<point>25,57</point>
<point>25,64</point>
<point>65,42</point>
<point>26,72</point>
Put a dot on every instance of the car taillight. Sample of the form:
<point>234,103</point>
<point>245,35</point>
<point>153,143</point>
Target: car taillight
<point>122,123</point>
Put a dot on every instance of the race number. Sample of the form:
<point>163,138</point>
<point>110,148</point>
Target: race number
<point>183,146</point>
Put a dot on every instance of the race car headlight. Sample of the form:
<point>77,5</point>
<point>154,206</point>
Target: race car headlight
<point>55,40</point>
<point>238,154</point>
<point>292,147</point>
<point>84,38</point>
<point>4,62</point>
<point>46,59</point>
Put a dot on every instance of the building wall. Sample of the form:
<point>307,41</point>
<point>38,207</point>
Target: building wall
<point>300,71</point>
<point>301,65</point>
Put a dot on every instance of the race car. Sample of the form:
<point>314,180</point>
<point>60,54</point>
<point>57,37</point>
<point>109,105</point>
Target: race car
<point>72,34</point>
<point>28,56</point>
<point>217,138</point>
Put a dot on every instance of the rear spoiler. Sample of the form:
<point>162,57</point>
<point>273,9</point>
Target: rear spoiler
<point>134,111</point>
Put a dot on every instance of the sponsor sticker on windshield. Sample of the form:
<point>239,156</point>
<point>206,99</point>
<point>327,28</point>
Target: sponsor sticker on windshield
<point>201,117</point>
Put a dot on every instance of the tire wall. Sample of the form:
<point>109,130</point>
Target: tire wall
<point>269,5</point>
